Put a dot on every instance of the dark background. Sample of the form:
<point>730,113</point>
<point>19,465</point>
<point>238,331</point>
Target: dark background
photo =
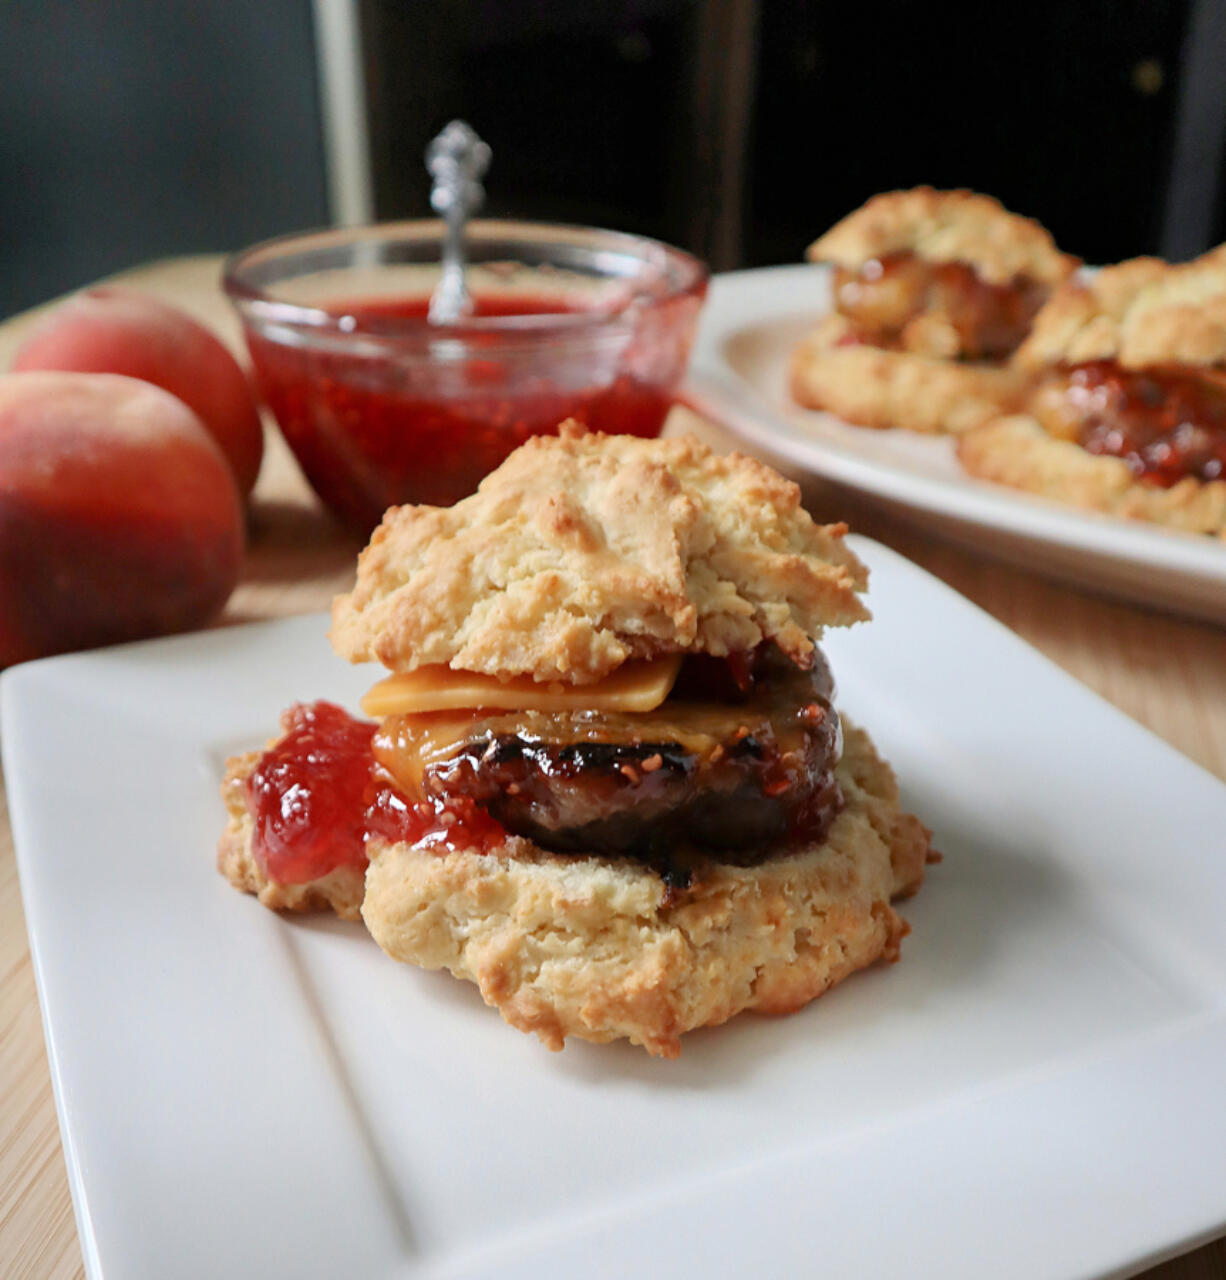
<point>738,129</point>
<point>136,129</point>
<point>742,130</point>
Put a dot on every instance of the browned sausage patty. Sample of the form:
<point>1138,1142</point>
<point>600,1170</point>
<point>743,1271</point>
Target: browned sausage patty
<point>722,768</point>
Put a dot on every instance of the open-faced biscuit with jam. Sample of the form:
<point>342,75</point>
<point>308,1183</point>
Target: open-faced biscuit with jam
<point>933,291</point>
<point>1127,408</point>
<point>605,779</point>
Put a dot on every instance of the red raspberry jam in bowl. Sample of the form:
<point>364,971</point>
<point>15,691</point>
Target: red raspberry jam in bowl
<point>381,407</point>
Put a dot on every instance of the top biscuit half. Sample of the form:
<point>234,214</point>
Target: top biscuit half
<point>946,226</point>
<point>1141,313</point>
<point>582,552</point>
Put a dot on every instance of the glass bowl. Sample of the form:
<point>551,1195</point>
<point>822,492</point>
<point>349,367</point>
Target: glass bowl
<point>381,407</point>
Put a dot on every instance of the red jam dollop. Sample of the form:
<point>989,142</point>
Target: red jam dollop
<point>316,795</point>
<point>1165,425</point>
<point>374,427</point>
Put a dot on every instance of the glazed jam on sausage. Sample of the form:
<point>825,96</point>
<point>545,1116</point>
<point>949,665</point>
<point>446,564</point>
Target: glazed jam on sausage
<point>891,300</point>
<point>1166,424</point>
<point>739,759</point>
<point>724,768</point>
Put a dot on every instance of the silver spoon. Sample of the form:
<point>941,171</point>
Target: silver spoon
<point>457,160</point>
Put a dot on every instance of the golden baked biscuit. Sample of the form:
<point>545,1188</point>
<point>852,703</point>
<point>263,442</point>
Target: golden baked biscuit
<point>610,848</point>
<point>1016,451</point>
<point>932,293</point>
<point>599,949</point>
<point>583,551</point>
<point>873,387</point>
<point>1126,412</point>
<point>1143,313</point>
<point>946,226</point>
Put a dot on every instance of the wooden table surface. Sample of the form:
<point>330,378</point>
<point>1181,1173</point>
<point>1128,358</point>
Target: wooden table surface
<point>1165,672</point>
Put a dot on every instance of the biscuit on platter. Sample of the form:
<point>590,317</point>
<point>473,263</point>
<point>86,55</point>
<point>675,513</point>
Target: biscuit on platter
<point>1143,313</point>
<point>1016,451</point>
<point>1126,411</point>
<point>607,782</point>
<point>875,387</point>
<point>932,293</point>
<point>946,226</point>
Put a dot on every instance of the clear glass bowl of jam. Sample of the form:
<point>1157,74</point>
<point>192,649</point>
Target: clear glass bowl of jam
<point>381,407</point>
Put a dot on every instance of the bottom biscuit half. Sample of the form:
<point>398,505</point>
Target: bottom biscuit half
<point>598,949</point>
<point>872,387</point>
<point>1017,452</point>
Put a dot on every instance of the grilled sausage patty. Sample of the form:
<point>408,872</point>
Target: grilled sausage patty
<point>739,757</point>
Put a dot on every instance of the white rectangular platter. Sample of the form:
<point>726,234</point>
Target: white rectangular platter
<point>739,376</point>
<point>1034,1091</point>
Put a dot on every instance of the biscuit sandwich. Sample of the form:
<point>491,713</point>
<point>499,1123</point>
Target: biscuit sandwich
<point>933,291</point>
<point>1127,410</point>
<point>605,778</point>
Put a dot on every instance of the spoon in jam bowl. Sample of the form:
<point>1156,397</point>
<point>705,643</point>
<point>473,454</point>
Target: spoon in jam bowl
<point>457,160</point>
<point>382,405</point>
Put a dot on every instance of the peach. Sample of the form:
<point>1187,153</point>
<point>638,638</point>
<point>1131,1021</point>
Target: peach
<point>109,330</point>
<point>119,515</point>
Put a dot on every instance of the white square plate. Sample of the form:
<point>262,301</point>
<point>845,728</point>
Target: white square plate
<point>1034,1091</point>
<point>739,376</point>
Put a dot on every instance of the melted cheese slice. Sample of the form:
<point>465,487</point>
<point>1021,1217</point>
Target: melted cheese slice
<point>635,686</point>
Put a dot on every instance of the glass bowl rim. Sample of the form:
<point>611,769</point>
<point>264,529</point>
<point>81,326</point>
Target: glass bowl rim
<point>265,305</point>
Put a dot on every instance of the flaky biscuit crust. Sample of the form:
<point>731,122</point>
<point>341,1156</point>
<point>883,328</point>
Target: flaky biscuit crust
<point>876,388</point>
<point>592,948</point>
<point>340,891</point>
<point>1141,313</point>
<point>582,551</point>
<point>946,226</point>
<point>1017,452</point>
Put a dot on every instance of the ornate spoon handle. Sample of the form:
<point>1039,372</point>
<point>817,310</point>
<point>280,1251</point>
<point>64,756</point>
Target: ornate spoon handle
<point>457,160</point>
